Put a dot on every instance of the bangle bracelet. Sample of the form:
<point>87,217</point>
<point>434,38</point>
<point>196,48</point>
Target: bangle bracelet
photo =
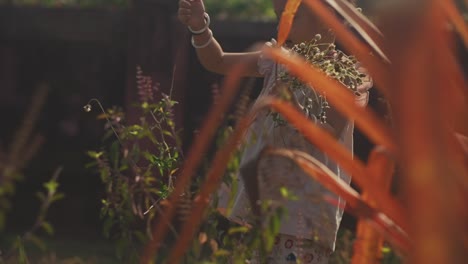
<point>203,45</point>
<point>207,24</point>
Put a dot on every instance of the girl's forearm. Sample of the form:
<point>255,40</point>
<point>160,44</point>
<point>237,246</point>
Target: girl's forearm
<point>210,56</point>
<point>214,59</point>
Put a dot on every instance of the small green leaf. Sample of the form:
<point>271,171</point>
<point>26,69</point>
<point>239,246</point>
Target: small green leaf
<point>167,133</point>
<point>173,171</point>
<point>274,224</point>
<point>47,228</point>
<point>94,154</point>
<point>57,197</point>
<point>222,252</point>
<point>123,167</point>
<point>284,192</point>
<point>241,229</point>
<point>51,186</point>
<point>386,250</point>
<point>135,130</point>
<point>287,194</point>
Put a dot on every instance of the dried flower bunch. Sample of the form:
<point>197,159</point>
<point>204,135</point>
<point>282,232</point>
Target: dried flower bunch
<point>331,61</point>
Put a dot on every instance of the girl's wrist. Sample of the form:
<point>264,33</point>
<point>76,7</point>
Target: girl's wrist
<point>201,27</point>
<point>203,40</point>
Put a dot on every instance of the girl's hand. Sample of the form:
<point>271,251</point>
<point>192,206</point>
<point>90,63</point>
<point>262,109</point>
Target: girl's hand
<point>191,13</point>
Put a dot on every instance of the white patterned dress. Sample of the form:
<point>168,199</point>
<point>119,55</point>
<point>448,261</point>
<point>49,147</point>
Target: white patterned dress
<point>309,217</point>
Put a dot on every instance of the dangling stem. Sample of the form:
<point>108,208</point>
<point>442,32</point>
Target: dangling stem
<point>88,108</point>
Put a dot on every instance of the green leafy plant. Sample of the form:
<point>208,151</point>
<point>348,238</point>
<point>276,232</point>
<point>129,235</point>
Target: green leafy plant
<point>17,251</point>
<point>22,149</point>
<point>137,165</point>
<point>12,163</point>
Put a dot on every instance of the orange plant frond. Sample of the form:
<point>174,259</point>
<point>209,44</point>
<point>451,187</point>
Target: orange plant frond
<point>381,166</point>
<point>377,67</point>
<point>454,82</point>
<point>330,146</point>
<point>357,206</point>
<point>432,173</point>
<point>368,244</point>
<point>222,157</point>
<point>338,95</point>
<point>194,157</point>
<point>211,183</point>
<point>453,98</point>
<point>287,19</point>
<point>450,10</point>
<point>325,176</point>
<point>368,31</point>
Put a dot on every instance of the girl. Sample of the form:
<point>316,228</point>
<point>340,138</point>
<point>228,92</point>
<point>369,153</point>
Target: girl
<point>309,231</point>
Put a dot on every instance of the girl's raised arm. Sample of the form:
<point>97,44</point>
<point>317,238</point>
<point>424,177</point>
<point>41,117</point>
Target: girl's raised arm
<point>210,53</point>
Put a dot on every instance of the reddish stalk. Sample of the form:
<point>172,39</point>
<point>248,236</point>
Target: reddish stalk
<point>369,242</point>
<point>430,171</point>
